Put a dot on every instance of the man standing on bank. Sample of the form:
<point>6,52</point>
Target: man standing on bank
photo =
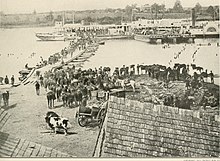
<point>5,96</point>
<point>37,87</point>
<point>12,80</point>
<point>212,77</point>
<point>6,80</point>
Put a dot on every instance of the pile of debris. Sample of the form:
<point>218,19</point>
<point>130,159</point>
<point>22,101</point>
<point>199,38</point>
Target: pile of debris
<point>157,92</point>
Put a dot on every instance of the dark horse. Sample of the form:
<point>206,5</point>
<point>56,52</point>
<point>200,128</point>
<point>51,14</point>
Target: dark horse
<point>50,98</point>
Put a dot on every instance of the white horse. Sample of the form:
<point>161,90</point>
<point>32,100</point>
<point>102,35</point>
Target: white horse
<point>125,83</point>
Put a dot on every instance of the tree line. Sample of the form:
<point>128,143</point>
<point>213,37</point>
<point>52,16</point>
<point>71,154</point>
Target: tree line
<point>108,15</point>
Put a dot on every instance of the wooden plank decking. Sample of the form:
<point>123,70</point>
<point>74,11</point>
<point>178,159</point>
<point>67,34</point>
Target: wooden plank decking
<point>4,116</point>
<point>15,147</point>
<point>11,146</point>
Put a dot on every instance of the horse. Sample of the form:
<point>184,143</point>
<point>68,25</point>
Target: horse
<point>1,80</point>
<point>197,68</point>
<point>50,98</point>
<point>5,96</point>
<point>125,83</point>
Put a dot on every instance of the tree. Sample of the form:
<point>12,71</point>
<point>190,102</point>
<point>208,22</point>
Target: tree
<point>109,10</point>
<point>34,12</point>
<point>128,9</point>
<point>211,11</point>
<point>216,12</point>
<point>17,18</point>
<point>162,8</point>
<point>37,20</point>
<point>156,8</point>
<point>177,6</point>
<point>2,13</point>
<point>50,17</point>
<point>59,18</point>
<point>106,20</point>
<point>198,7</point>
<point>88,20</point>
<point>27,20</point>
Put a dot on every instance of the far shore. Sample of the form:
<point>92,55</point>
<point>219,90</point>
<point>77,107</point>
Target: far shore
<point>26,26</point>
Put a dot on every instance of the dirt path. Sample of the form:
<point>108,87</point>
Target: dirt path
<point>27,121</point>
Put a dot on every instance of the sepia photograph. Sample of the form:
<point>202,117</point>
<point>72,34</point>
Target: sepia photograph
<point>110,79</point>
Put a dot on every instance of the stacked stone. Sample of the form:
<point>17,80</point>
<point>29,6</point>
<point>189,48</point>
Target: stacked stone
<point>137,129</point>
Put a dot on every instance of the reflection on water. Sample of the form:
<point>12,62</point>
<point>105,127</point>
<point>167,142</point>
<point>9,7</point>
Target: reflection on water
<point>115,53</point>
<point>119,52</point>
<point>17,45</point>
<point>20,43</point>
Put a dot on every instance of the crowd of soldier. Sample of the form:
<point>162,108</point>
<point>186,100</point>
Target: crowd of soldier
<point>74,86</point>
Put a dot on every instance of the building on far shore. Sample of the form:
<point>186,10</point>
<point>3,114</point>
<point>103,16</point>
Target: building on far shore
<point>145,8</point>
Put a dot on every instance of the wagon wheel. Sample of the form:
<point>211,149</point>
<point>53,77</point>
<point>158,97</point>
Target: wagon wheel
<point>82,120</point>
<point>101,116</point>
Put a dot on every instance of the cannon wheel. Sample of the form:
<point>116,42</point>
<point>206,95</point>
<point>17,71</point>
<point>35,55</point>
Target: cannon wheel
<point>82,120</point>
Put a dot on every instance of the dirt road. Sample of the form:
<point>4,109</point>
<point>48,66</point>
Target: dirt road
<point>27,121</point>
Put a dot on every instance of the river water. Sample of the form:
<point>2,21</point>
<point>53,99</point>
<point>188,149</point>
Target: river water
<point>16,46</point>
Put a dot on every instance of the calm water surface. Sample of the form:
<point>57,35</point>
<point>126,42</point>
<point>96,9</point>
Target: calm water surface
<point>22,42</point>
<point>115,53</point>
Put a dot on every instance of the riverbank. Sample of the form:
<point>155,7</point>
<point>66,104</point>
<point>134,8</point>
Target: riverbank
<point>74,57</point>
<point>27,121</point>
<point>11,43</point>
<point>28,110</point>
<point>26,26</point>
<point>80,141</point>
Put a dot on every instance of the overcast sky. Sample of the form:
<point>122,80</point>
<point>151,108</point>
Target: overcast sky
<point>28,6</point>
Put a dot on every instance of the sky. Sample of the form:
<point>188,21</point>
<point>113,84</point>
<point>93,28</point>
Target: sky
<point>28,6</point>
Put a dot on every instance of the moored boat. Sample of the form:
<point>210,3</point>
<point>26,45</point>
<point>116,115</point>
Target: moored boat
<point>101,43</point>
<point>164,36</point>
<point>140,37</point>
<point>114,37</point>
<point>54,36</point>
<point>207,30</point>
<point>59,33</point>
<point>23,74</point>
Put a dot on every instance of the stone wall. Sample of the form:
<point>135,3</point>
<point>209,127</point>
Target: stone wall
<point>135,129</point>
<point>100,140</point>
